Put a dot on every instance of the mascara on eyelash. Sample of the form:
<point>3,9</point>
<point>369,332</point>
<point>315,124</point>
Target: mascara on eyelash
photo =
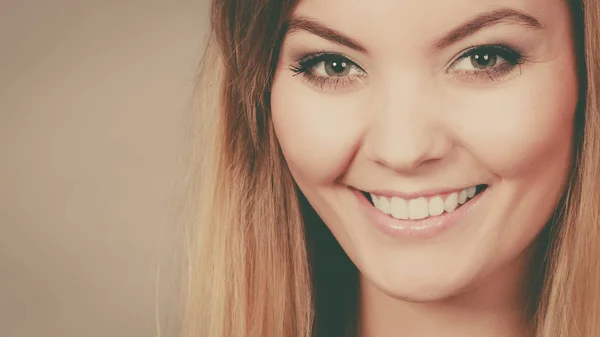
<point>306,63</point>
<point>305,67</point>
<point>509,54</point>
<point>512,56</point>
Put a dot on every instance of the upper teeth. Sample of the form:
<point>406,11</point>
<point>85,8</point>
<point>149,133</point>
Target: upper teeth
<point>421,208</point>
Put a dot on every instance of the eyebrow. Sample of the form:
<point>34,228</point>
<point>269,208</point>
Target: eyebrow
<point>481,21</point>
<point>487,19</point>
<point>314,27</point>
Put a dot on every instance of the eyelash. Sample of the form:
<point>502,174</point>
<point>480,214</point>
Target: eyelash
<point>510,60</point>
<point>306,65</point>
<point>511,57</point>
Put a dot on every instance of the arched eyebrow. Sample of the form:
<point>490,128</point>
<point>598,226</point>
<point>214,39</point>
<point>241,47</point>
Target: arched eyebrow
<point>312,26</point>
<point>470,27</point>
<point>487,19</point>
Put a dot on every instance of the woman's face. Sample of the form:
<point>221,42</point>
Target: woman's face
<point>432,137</point>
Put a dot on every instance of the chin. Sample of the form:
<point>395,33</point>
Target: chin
<point>421,285</point>
<point>424,291</point>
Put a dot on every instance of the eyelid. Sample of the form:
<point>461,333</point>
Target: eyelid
<point>307,63</point>
<point>497,46</point>
<point>306,66</point>
<point>316,54</point>
<point>461,55</point>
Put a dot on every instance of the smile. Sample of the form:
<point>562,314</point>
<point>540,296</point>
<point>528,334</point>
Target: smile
<point>423,207</point>
<point>423,216</point>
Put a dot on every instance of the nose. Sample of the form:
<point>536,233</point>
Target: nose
<point>406,132</point>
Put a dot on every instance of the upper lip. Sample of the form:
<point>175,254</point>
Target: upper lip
<point>413,195</point>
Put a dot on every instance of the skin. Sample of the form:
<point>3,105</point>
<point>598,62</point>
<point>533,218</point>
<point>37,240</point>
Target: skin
<point>410,124</point>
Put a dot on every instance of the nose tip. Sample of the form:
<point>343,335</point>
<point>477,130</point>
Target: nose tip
<point>405,159</point>
<point>407,148</point>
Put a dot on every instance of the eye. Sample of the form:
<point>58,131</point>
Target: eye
<point>329,71</point>
<point>487,62</point>
<point>334,66</point>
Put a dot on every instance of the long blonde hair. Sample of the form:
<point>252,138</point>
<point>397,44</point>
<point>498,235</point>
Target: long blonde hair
<point>253,240</point>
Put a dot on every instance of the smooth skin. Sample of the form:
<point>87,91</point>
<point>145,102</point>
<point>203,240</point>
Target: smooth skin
<point>401,111</point>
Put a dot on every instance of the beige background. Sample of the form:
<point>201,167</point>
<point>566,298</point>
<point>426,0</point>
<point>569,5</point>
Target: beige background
<point>93,96</point>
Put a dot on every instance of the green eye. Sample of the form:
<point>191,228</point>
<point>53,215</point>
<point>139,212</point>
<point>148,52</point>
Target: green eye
<point>483,60</point>
<point>329,71</point>
<point>336,66</point>
<point>486,62</point>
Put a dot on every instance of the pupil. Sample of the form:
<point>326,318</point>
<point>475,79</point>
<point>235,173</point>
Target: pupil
<point>336,67</point>
<point>483,60</point>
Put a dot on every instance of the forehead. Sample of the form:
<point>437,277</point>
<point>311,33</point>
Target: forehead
<point>396,22</point>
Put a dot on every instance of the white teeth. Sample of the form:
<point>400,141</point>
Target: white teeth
<point>462,196</point>
<point>418,208</point>
<point>421,208</point>
<point>436,206</point>
<point>471,191</point>
<point>375,199</point>
<point>399,208</point>
<point>384,205</point>
<point>451,202</point>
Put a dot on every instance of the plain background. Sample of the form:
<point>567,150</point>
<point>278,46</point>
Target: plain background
<point>93,99</point>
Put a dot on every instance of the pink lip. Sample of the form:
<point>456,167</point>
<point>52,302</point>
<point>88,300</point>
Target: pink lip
<point>423,229</point>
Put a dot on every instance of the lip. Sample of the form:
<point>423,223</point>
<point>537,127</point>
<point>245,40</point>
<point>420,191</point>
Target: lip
<point>418,229</point>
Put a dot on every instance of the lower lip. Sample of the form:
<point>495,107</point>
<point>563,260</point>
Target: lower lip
<point>420,229</point>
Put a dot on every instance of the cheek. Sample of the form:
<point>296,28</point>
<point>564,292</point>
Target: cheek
<point>522,134</point>
<point>318,133</point>
<point>521,128</point>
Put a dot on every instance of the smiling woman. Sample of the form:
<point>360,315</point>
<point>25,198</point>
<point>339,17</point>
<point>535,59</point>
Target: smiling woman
<point>397,168</point>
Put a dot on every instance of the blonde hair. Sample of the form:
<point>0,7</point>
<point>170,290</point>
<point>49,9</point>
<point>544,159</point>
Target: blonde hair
<point>252,237</point>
